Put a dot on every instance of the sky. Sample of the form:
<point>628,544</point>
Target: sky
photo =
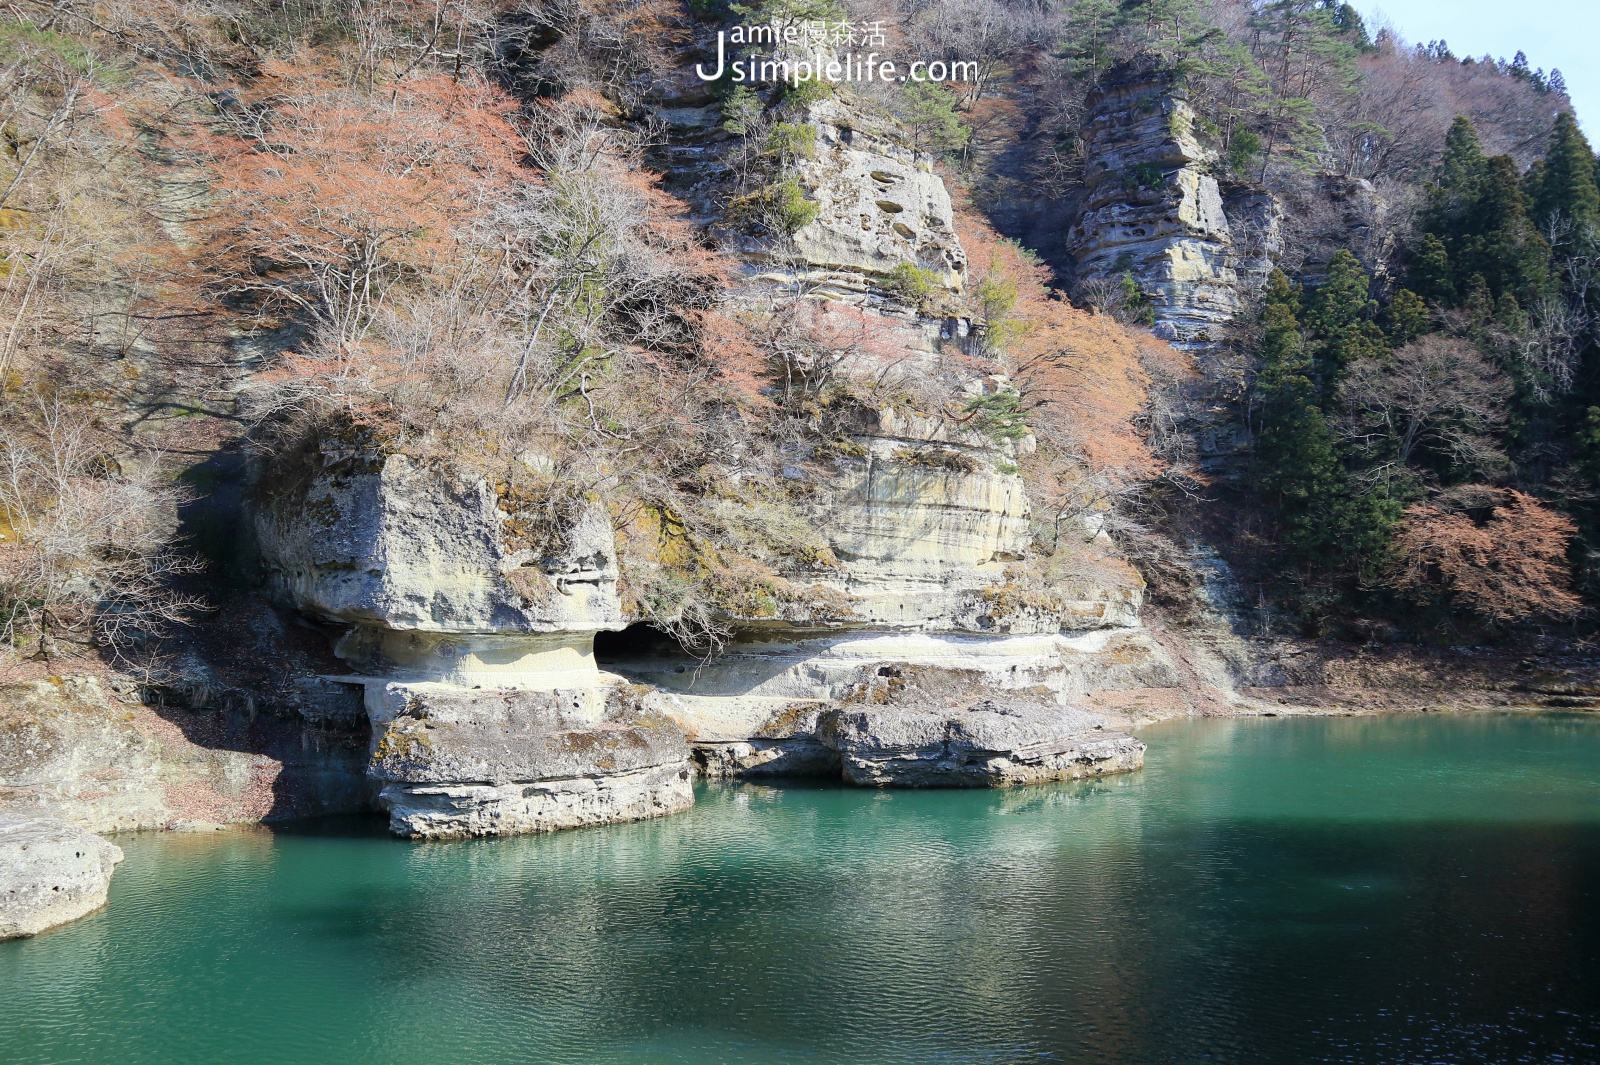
<point>1564,34</point>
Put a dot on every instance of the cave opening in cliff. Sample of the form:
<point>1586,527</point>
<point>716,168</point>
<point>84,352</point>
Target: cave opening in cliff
<point>637,642</point>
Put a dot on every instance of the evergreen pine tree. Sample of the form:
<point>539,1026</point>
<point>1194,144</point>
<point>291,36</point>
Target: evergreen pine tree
<point>1479,302</point>
<point>1499,241</point>
<point>1406,318</point>
<point>1430,273</point>
<point>1325,522</point>
<point>1464,166</point>
<point>1299,471</point>
<point>1567,186</point>
<point>929,109</point>
<point>1339,316</point>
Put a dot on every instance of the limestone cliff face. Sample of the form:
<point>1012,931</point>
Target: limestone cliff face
<point>107,762</point>
<point>880,204</point>
<point>473,634</point>
<point>475,652</point>
<point>1153,209</point>
<point>920,516</point>
<point>426,566</point>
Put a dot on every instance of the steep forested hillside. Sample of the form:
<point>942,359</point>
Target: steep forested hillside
<point>1206,276</point>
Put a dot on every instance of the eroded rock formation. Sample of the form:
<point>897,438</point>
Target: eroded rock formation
<point>108,762</point>
<point>1156,211</point>
<point>922,515</point>
<point>457,762</point>
<point>989,744</point>
<point>880,205</point>
<point>426,566</point>
<point>474,641</point>
<point>473,636</point>
<point>928,526</point>
<point>1152,209</point>
<point>51,873</point>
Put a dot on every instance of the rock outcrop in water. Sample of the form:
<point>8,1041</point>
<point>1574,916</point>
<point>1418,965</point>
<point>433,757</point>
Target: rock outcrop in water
<point>51,873</point>
<point>475,650</point>
<point>928,527</point>
<point>471,762</point>
<point>989,744</point>
<point>489,712</point>
<point>475,643</point>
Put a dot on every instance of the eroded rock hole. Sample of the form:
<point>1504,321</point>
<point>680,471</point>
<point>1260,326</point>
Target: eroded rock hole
<point>639,643</point>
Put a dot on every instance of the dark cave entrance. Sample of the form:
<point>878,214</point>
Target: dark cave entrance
<point>637,643</point>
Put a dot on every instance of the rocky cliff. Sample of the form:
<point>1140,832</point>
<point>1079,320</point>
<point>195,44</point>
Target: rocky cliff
<point>472,640</point>
<point>1153,210</point>
<point>879,206</point>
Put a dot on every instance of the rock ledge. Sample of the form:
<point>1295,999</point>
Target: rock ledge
<point>984,746</point>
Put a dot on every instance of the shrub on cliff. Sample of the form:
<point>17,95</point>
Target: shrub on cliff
<point>87,547</point>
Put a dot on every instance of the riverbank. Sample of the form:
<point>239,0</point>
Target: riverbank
<point>110,754</point>
<point>1380,888</point>
<point>1227,675</point>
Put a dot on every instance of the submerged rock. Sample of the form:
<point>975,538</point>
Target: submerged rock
<point>456,763</point>
<point>987,745</point>
<point>50,873</point>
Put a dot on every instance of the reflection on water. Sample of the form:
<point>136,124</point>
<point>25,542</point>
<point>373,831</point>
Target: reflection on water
<point>1337,890</point>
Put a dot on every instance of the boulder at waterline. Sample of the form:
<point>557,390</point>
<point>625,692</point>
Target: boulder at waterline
<point>455,763</point>
<point>50,873</point>
<point>986,745</point>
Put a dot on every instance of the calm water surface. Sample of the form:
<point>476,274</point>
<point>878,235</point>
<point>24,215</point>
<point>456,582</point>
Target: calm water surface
<point>1363,890</point>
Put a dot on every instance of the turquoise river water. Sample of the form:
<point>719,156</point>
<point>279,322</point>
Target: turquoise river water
<point>1362,889</point>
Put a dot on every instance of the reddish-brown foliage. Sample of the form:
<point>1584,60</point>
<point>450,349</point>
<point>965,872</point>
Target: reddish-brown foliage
<point>1086,380</point>
<point>330,194</point>
<point>1512,567</point>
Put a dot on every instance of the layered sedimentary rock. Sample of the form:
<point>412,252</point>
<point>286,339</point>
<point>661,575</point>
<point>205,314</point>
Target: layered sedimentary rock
<point>1153,210</point>
<point>990,744</point>
<point>102,759</point>
<point>929,525</point>
<point>472,617</point>
<point>921,514</point>
<point>756,710</point>
<point>50,873</point>
<point>425,564</point>
<point>459,762</point>
<point>879,205</point>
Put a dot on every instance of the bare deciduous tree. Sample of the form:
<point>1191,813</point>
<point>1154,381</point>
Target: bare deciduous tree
<point>1437,393</point>
<point>87,554</point>
<point>1509,568</point>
